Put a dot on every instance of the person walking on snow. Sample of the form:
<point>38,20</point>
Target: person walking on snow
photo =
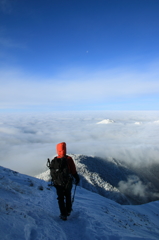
<point>62,170</point>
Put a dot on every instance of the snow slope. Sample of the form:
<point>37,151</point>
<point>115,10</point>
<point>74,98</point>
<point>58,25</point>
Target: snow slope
<point>29,211</point>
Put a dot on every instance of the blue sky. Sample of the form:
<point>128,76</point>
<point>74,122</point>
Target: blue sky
<point>79,55</point>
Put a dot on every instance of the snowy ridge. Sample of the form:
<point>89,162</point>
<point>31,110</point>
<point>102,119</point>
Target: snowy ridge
<point>29,211</point>
<point>114,180</point>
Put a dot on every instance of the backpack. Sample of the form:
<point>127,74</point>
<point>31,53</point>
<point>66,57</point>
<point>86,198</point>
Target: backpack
<point>59,172</point>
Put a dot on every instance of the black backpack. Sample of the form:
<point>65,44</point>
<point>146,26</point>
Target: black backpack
<point>59,172</point>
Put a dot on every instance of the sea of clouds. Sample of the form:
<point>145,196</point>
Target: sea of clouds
<point>27,140</point>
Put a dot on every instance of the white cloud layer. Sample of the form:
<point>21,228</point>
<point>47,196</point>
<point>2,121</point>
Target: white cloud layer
<point>26,141</point>
<point>76,87</point>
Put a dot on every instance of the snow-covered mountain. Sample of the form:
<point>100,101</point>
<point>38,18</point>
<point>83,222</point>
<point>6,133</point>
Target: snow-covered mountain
<point>29,211</point>
<point>114,180</point>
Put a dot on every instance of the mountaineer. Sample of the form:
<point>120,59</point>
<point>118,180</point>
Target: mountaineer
<point>63,170</point>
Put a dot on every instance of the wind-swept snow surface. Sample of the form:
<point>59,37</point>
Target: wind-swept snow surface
<point>29,211</point>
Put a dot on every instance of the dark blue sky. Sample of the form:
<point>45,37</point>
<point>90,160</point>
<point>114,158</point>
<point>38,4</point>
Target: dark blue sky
<point>104,54</point>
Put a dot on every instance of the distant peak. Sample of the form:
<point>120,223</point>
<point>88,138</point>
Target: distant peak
<point>106,121</point>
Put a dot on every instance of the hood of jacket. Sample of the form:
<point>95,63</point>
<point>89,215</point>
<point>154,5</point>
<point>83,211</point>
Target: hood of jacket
<point>61,149</point>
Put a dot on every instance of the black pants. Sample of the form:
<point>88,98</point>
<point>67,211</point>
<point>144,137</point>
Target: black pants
<point>64,200</point>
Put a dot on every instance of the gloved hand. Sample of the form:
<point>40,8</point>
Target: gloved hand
<point>77,179</point>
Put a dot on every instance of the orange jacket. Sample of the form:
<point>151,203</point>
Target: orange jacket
<point>61,152</point>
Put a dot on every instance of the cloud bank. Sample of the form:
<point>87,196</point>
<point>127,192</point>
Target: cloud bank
<point>26,141</point>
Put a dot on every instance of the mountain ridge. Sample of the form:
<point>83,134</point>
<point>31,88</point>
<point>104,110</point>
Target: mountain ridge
<point>112,179</point>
